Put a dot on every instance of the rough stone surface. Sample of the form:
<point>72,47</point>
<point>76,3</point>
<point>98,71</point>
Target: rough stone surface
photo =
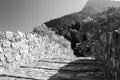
<point>23,55</point>
<point>6,43</point>
<point>1,50</point>
<point>107,50</point>
<point>21,34</point>
<point>9,35</point>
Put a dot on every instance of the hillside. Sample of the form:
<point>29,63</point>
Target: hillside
<point>92,7</point>
<point>69,25</point>
<point>79,29</point>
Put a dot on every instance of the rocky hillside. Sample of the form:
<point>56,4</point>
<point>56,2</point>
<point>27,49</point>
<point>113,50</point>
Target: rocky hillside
<point>20,54</point>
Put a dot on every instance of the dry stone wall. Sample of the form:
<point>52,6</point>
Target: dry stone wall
<point>113,56</point>
<point>21,53</point>
<point>107,49</point>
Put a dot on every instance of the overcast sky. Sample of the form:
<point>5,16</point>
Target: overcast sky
<point>23,15</point>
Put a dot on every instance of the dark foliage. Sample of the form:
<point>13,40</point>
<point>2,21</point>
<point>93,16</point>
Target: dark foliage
<point>83,31</point>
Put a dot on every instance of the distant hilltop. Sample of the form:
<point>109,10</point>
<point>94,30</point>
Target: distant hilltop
<point>96,6</point>
<point>115,0</point>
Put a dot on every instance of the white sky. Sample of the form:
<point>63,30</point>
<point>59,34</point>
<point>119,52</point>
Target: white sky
<point>23,15</point>
<point>115,0</point>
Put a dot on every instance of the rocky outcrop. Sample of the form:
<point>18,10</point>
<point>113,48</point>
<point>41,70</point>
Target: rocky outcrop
<point>25,56</point>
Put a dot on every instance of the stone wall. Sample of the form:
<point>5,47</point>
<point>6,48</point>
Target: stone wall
<point>20,54</point>
<point>107,49</point>
<point>113,56</point>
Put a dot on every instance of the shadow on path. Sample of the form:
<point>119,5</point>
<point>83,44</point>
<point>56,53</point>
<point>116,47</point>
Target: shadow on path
<point>81,70</point>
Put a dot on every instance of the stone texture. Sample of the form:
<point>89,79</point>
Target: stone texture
<point>17,37</point>
<point>20,55</point>
<point>29,36</point>
<point>31,56</point>
<point>2,36</point>
<point>22,35</point>
<point>9,35</point>
<point>2,69</point>
<point>1,50</point>
<point>6,43</point>
<point>107,50</point>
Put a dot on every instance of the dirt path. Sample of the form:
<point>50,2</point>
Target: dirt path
<point>61,69</point>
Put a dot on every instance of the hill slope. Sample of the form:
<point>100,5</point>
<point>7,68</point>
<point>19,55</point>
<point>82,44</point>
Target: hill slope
<point>78,29</point>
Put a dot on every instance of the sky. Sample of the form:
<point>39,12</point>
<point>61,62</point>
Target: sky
<point>115,0</point>
<point>23,15</point>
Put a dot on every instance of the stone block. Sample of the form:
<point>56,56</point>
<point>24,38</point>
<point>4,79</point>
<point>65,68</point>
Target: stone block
<point>2,58</point>
<point>13,45</point>
<point>9,35</point>
<point>6,43</point>
<point>21,34</point>
<point>9,57</point>
<point>2,69</point>
<point>1,50</point>
<point>17,37</point>
<point>17,57</point>
<point>7,49</point>
<point>20,45</point>
<point>29,36</point>
<point>23,51</point>
<point>2,36</point>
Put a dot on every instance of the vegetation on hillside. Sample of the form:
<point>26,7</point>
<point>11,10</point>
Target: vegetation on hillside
<point>84,30</point>
<point>45,31</point>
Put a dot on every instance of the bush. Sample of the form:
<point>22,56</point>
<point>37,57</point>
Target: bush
<point>44,31</point>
